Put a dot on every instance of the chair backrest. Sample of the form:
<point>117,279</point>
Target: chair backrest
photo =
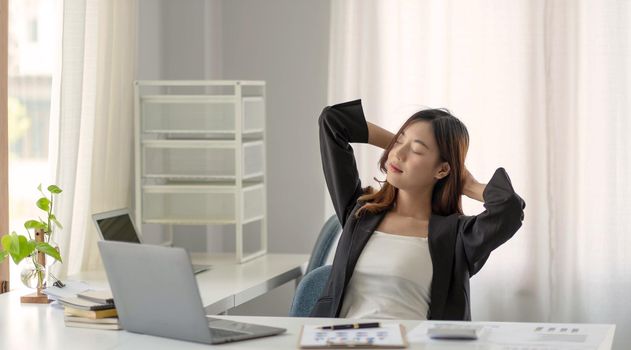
<point>324,243</point>
<point>308,291</point>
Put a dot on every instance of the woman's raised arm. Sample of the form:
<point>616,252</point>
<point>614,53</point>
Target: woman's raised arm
<point>502,217</point>
<point>378,136</point>
<point>341,125</point>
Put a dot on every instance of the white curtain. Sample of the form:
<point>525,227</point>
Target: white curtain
<point>544,88</point>
<point>92,122</point>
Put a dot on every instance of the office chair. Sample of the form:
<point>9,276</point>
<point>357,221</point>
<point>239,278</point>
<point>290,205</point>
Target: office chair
<point>329,232</point>
<point>316,275</point>
<point>308,291</point>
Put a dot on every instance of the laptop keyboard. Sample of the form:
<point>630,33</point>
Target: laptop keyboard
<point>220,332</point>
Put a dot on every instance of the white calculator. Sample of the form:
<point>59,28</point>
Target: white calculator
<point>454,331</point>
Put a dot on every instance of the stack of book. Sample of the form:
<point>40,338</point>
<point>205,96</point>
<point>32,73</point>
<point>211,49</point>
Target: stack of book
<point>90,309</point>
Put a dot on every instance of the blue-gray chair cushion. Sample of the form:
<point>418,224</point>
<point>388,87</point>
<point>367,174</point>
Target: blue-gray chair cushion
<point>324,243</point>
<point>309,290</point>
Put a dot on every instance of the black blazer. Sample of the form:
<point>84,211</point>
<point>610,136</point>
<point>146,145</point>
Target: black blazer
<point>459,245</point>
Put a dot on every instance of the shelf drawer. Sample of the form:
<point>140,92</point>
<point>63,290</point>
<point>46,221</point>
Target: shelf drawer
<point>166,204</point>
<point>196,115</point>
<point>253,203</point>
<point>253,114</point>
<point>170,115</point>
<point>201,160</point>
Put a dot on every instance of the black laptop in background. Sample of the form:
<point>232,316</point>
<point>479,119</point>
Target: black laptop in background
<point>116,225</point>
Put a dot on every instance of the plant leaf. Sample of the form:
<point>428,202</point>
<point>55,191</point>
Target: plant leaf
<point>44,204</point>
<point>3,255</point>
<point>17,246</point>
<point>48,250</point>
<point>39,188</point>
<point>34,224</point>
<point>45,228</point>
<point>6,242</point>
<point>11,244</point>
<point>53,218</point>
<point>26,247</point>
<point>54,189</point>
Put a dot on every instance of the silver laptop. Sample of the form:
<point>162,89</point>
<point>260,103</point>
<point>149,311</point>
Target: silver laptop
<point>156,293</point>
<point>116,225</point>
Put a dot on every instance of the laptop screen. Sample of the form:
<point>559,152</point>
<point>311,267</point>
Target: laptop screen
<point>118,228</point>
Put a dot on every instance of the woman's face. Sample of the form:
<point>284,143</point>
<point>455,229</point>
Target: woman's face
<point>414,160</point>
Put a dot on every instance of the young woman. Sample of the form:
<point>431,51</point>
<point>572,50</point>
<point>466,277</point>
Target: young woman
<point>406,250</point>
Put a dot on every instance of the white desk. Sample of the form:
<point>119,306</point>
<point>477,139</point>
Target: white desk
<point>24,326</point>
<point>32,326</point>
<point>229,284</point>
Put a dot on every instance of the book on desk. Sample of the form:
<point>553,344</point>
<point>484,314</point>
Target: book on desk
<point>109,323</point>
<point>90,309</point>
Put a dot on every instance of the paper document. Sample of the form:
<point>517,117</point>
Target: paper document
<point>389,335</point>
<point>525,335</point>
<point>71,289</point>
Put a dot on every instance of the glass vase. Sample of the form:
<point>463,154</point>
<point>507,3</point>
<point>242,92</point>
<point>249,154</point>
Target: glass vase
<point>50,263</point>
<point>33,274</point>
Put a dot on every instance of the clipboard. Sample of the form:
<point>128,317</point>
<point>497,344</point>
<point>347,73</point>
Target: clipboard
<point>388,336</point>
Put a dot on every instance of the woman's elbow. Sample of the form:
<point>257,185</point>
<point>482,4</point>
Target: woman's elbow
<point>516,216</point>
<point>324,116</point>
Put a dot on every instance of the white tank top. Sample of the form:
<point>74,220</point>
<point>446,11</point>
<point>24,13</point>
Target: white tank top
<point>392,279</point>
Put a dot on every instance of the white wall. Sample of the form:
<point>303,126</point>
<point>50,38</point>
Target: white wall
<point>285,43</point>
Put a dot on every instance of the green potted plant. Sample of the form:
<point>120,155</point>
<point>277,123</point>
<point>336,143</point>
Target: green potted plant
<point>35,247</point>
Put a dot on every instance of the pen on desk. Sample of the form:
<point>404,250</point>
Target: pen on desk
<point>352,326</point>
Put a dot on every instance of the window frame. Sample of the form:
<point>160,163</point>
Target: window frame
<point>4,137</point>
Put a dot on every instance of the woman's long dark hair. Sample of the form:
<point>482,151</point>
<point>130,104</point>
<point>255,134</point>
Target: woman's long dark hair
<point>452,139</point>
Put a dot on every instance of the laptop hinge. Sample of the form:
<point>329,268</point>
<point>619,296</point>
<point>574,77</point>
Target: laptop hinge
<point>4,287</point>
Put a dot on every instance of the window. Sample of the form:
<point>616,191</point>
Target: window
<point>32,51</point>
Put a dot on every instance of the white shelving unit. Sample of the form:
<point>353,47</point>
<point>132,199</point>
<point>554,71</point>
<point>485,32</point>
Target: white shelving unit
<point>200,156</point>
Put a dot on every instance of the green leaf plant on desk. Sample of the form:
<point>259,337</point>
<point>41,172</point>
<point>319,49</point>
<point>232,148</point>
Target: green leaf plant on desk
<point>35,248</point>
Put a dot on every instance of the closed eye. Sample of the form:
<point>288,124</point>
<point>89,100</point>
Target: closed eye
<point>397,142</point>
<point>418,141</point>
